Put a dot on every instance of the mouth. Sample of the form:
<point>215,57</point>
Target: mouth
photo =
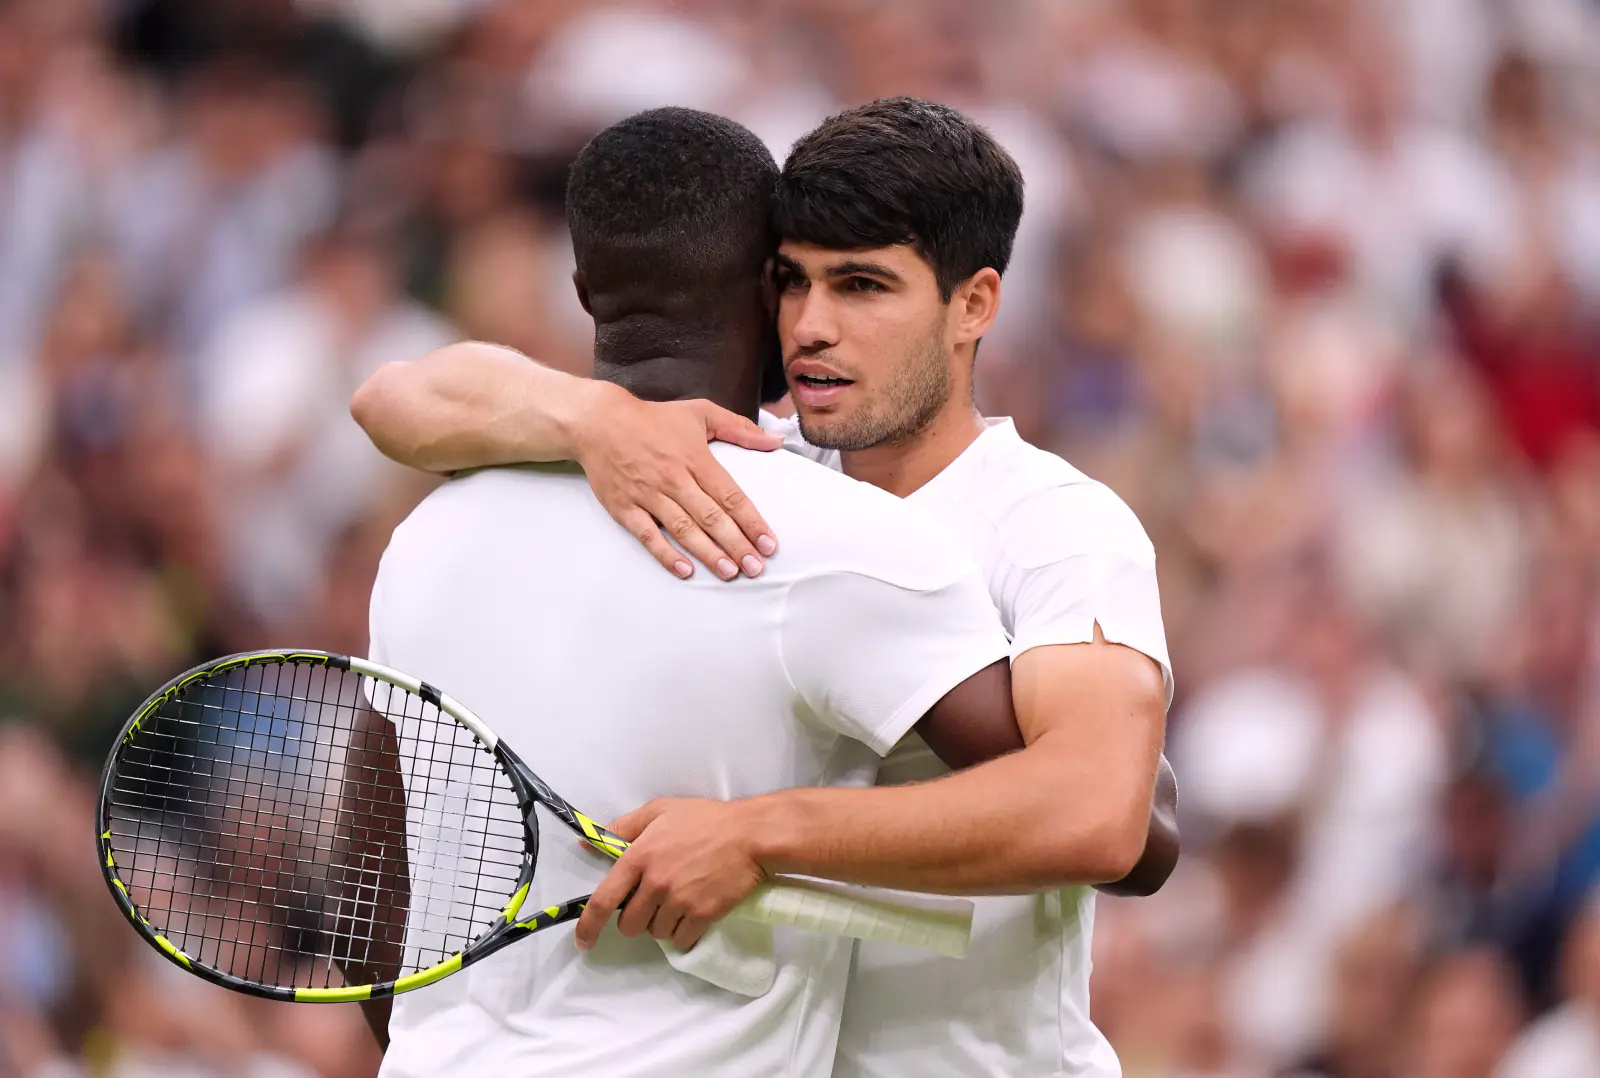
<point>820,381</point>
<point>814,385</point>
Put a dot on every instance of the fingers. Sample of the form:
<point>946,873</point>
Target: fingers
<point>666,922</point>
<point>612,892</point>
<point>688,933</point>
<point>719,524</point>
<point>670,485</point>
<point>639,911</point>
<point>725,426</point>
<point>632,825</point>
<point>672,924</point>
<point>643,527</point>
<point>680,524</point>
<point>736,518</point>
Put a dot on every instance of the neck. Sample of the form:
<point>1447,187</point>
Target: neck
<point>903,467</point>
<point>670,378</point>
<point>680,367</point>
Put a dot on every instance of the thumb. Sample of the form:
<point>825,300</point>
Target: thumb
<point>724,426</point>
<point>632,825</point>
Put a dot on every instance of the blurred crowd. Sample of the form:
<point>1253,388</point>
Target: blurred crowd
<point>1313,284</point>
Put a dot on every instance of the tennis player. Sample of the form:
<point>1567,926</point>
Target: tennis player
<point>873,624</point>
<point>897,221</point>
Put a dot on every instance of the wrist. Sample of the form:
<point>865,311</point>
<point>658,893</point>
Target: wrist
<point>583,418</point>
<point>775,828</point>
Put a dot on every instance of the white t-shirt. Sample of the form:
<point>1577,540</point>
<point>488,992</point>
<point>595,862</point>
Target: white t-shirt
<point>1060,553</point>
<point>513,591</point>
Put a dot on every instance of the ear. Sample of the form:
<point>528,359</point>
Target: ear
<point>975,304</point>
<point>583,292</point>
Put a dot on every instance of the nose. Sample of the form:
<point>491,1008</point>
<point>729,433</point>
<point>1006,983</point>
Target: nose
<point>812,325</point>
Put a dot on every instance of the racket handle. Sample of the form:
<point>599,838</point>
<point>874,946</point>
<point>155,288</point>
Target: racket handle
<point>938,924</point>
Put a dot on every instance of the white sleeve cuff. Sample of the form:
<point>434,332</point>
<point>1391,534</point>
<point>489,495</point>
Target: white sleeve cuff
<point>1116,592</point>
<point>909,713</point>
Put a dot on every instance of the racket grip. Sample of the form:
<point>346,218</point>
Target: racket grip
<point>938,924</point>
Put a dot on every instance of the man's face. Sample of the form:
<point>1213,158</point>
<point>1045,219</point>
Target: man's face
<point>866,343</point>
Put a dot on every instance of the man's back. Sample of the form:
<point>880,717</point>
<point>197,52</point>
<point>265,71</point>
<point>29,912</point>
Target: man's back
<point>618,683</point>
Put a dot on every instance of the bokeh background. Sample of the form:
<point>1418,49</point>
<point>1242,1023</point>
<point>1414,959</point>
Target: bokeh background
<point>1314,284</point>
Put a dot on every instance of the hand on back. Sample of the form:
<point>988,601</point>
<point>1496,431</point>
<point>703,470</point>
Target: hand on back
<point>652,468</point>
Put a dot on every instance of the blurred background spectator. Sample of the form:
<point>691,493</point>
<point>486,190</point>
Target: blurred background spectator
<point>1314,284</point>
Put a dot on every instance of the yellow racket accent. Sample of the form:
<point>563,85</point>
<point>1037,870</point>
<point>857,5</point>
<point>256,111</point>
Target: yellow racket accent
<point>510,912</point>
<point>533,922</point>
<point>166,945</point>
<point>332,995</point>
<point>809,905</point>
<point>600,838</point>
<point>428,976</point>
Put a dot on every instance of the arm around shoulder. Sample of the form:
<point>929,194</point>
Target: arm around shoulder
<point>473,405</point>
<point>476,405</point>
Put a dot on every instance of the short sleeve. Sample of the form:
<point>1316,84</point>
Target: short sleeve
<point>1060,603</point>
<point>1078,557</point>
<point>870,658</point>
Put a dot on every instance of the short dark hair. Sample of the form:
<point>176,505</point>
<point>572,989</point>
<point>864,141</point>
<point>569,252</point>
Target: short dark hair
<point>670,200</point>
<point>904,170</point>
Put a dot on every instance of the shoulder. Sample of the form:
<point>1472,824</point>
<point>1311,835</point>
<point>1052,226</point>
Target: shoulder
<point>500,486</point>
<point>1043,510</point>
<point>827,522</point>
<point>481,502</point>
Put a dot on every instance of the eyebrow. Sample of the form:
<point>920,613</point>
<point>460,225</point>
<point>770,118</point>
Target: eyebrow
<point>849,268</point>
<point>855,268</point>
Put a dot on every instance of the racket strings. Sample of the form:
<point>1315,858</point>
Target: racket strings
<point>267,826</point>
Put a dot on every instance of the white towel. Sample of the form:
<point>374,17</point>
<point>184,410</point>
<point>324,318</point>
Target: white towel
<point>735,955</point>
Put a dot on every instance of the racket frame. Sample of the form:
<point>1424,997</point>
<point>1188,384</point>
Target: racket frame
<point>530,790</point>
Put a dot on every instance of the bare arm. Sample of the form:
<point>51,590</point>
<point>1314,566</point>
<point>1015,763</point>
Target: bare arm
<point>976,722</point>
<point>475,405</point>
<point>370,876</point>
<point>1162,845</point>
<point>1073,807</point>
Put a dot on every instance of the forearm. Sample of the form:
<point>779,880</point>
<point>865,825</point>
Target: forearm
<point>473,405</point>
<point>370,874</point>
<point>376,1012</point>
<point>1030,821</point>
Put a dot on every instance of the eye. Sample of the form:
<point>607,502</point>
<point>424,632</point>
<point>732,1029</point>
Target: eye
<point>863,284</point>
<point>788,280</point>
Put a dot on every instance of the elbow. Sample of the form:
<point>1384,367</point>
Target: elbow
<point>1121,847</point>
<point>369,403</point>
<point>1155,867</point>
<point>1093,852</point>
<point>383,408</point>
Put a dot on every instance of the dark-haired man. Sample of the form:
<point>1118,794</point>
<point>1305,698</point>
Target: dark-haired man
<point>896,220</point>
<point>513,587</point>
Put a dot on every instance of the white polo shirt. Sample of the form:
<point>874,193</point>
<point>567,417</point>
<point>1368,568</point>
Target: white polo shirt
<point>1060,552</point>
<point>513,591</point>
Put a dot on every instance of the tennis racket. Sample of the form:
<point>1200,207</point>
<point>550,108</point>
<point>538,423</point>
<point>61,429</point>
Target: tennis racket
<point>308,826</point>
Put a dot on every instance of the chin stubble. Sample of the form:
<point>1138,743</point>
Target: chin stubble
<point>900,412</point>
